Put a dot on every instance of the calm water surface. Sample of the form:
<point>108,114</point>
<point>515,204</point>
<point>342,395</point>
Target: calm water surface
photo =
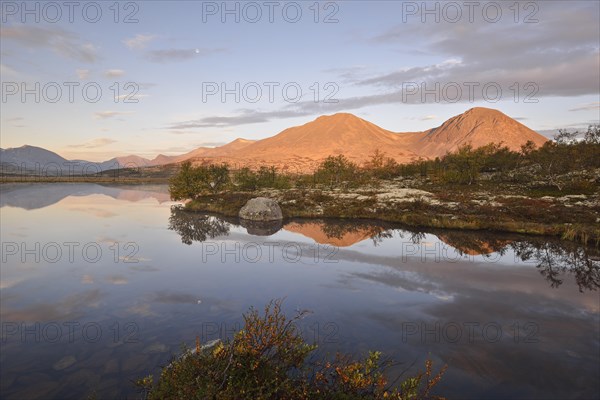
<point>101,285</point>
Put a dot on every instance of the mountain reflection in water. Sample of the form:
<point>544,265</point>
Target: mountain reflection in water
<point>553,259</point>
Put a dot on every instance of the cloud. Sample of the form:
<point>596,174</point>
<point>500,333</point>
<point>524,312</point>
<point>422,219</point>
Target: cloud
<point>560,60</point>
<point>58,40</point>
<point>168,297</point>
<point>348,74</point>
<point>428,117</point>
<point>69,308</point>
<point>168,55</point>
<point>83,74</point>
<point>117,280</point>
<point>8,283</point>
<point>244,116</point>
<point>174,149</point>
<point>6,71</point>
<point>110,114</point>
<point>139,41</point>
<point>146,85</point>
<point>141,309</point>
<point>16,122</point>
<point>587,107</point>
<point>550,56</point>
<point>212,144</point>
<point>92,144</point>
<point>130,97</point>
<point>114,73</point>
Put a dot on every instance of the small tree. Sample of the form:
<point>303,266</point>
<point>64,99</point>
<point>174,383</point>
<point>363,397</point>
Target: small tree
<point>335,170</point>
<point>382,167</point>
<point>194,181</point>
<point>246,179</point>
<point>463,165</point>
<point>592,136</point>
<point>185,184</point>
<point>217,177</point>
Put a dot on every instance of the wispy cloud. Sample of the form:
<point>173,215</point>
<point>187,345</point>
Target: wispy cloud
<point>83,74</point>
<point>587,107</point>
<point>15,122</point>
<point>131,97</point>
<point>92,144</point>
<point>171,55</point>
<point>114,73</point>
<point>110,114</point>
<point>58,40</point>
<point>139,41</point>
<point>117,280</point>
<point>6,71</point>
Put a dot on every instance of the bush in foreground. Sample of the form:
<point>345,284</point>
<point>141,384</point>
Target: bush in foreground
<point>268,359</point>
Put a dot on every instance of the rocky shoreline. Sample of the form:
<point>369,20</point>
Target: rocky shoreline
<point>574,217</point>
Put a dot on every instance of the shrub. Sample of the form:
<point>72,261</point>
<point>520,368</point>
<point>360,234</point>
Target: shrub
<point>193,181</point>
<point>268,359</point>
<point>335,170</point>
<point>382,167</point>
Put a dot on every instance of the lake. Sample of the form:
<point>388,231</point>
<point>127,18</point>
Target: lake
<point>101,285</point>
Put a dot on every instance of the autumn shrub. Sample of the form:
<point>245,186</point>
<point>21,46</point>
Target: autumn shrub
<point>269,359</point>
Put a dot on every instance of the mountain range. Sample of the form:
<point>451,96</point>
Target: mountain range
<point>302,148</point>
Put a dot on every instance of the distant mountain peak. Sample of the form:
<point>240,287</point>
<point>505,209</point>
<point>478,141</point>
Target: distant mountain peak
<point>478,127</point>
<point>339,117</point>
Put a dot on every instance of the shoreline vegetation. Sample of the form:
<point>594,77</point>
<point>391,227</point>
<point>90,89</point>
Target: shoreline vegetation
<point>553,190</point>
<point>269,359</point>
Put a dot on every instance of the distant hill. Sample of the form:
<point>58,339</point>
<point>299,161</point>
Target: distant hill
<point>30,157</point>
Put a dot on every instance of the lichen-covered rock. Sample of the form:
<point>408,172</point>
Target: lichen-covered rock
<point>261,209</point>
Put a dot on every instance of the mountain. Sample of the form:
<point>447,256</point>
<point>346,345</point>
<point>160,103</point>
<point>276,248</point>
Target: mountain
<point>335,134</point>
<point>302,148</point>
<point>41,161</point>
<point>478,126</point>
<point>29,157</point>
<point>204,152</point>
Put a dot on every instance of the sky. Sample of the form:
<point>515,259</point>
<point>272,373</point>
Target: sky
<point>93,80</point>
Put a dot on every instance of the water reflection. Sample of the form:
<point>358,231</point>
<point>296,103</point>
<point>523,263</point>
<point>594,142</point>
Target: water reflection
<point>27,195</point>
<point>553,259</point>
<point>371,286</point>
<point>557,259</point>
<point>197,227</point>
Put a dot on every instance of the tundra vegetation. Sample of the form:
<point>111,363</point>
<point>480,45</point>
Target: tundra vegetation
<point>550,190</point>
<point>269,359</point>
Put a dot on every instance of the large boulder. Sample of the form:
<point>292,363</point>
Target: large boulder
<point>261,209</point>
